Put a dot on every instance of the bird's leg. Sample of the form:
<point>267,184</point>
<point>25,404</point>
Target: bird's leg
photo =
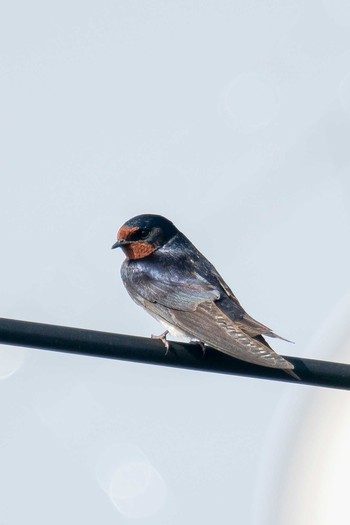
<point>202,345</point>
<point>164,340</point>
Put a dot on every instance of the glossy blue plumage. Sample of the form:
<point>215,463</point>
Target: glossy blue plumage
<point>177,285</point>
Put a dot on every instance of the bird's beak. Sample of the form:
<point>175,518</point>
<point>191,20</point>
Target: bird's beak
<point>120,244</point>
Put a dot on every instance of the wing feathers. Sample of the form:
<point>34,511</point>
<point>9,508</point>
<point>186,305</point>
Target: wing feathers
<point>182,296</point>
<point>177,293</point>
<point>208,324</point>
<point>205,311</point>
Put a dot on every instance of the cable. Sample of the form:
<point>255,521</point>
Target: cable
<point>152,351</point>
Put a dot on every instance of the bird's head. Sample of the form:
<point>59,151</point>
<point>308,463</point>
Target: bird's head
<point>142,235</point>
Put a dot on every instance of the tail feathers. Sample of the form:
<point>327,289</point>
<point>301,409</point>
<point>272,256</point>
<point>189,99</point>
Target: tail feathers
<point>254,328</point>
<point>276,336</point>
<point>289,371</point>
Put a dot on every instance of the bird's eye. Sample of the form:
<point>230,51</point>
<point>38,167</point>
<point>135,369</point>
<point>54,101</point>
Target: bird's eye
<point>143,234</point>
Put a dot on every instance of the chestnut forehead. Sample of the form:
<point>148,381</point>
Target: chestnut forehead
<point>125,232</point>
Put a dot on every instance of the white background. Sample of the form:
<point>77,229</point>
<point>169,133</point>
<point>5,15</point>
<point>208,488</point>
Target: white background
<point>233,120</point>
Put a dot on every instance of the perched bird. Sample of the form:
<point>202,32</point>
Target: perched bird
<point>166,274</point>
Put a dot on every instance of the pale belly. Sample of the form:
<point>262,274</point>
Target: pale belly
<point>173,330</point>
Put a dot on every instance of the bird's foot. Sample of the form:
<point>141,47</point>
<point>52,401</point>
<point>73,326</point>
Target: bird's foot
<point>202,345</point>
<point>164,340</point>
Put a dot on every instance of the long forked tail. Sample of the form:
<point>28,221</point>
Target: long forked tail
<point>251,326</point>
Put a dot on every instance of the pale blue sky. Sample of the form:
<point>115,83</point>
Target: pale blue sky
<point>233,120</point>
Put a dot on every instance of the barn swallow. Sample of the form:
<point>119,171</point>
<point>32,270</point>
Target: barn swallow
<point>166,274</point>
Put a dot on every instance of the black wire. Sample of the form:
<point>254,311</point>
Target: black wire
<point>151,351</point>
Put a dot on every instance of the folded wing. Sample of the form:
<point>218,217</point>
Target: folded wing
<point>211,326</point>
<point>207,313</point>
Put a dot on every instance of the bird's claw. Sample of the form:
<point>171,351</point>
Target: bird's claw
<point>162,337</point>
<point>202,345</point>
